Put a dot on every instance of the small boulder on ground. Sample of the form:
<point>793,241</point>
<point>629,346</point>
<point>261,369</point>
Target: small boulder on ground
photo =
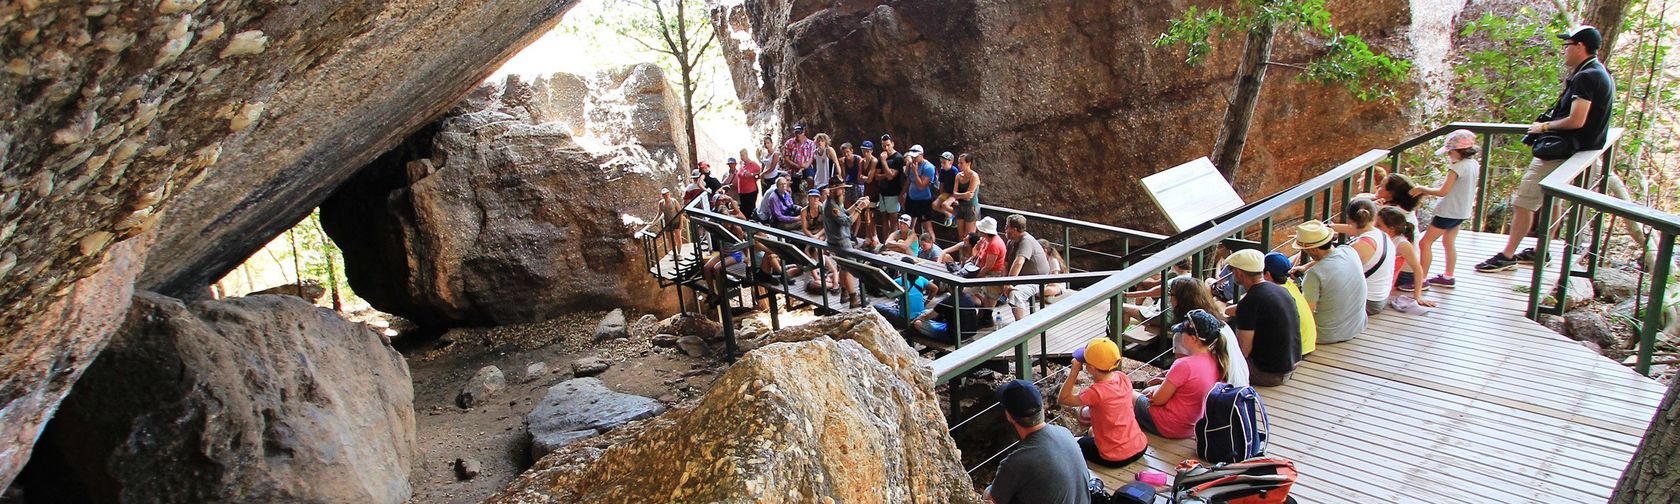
<point>684,324</point>
<point>666,340</point>
<point>1584,325</point>
<point>611,326</point>
<point>310,290</point>
<point>486,383</point>
<point>534,371</point>
<point>693,346</point>
<point>1614,284</point>
<point>589,366</point>
<point>582,407</point>
<point>644,326</point>
<point>1580,293</point>
<point>466,468</point>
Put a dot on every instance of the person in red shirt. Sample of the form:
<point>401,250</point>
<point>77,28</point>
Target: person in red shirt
<point>989,256</point>
<point>746,180</point>
<point>1106,406</point>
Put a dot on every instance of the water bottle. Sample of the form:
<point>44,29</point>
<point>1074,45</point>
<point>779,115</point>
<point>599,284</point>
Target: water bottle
<point>1152,477</point>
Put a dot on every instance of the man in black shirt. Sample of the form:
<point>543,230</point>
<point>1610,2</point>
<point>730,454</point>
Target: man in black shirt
<point>1582,113</point>
<point>1267,326</point>
<point>890,177</point>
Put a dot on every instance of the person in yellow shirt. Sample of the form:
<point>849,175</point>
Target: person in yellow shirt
<point>1277,271</point>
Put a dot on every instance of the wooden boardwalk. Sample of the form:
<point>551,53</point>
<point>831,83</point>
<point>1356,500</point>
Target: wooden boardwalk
<point>1469,403</point>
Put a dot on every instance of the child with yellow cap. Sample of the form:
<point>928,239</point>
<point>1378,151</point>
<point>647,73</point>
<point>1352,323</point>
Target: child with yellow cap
<point>1115,439</point>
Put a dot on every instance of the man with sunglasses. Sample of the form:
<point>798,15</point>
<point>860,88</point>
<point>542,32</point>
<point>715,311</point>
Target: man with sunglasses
<point>1581,115</point>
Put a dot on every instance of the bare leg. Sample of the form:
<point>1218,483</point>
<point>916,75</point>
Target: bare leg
<point>1522,220</point>
<point>1448,244</point>
<point>1426,249</point>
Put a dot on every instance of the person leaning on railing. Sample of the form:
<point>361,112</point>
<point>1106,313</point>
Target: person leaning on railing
<point>1581,116</point>
<point>1045,467</point>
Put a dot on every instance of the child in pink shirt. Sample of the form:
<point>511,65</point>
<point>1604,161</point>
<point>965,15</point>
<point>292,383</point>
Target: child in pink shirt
<point>1115,439</point>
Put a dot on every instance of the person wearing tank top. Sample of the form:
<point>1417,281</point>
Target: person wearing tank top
<point>1375,249</point>
<point>824,163</point>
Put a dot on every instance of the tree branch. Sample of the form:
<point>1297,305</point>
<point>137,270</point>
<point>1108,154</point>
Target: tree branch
<point>1296,66</point>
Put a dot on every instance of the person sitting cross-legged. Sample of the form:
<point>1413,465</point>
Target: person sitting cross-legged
<point>1335,283</point>
<point>1170,406</point>
<point>1106,405</point>
<point>914,300</point>
<point>1268,329</point>
<point>1045,468</point>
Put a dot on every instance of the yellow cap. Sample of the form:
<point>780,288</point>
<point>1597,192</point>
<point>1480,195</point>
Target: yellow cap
<point>1103,354</point>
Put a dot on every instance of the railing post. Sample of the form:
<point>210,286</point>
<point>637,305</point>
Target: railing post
<point>955,325</point>
<point>1542,246</point>
<point>1370,176</point>
<point>1023,362</point>
<point>1603,182</point>
<point>1067,248</point>
<point>1329,195</point>
<point>1307,214</point>
<point>1347,192</point>
<point>1482,183</point>
<point>1266,234</point>
<point>1116,318</point>
<point>1652,322</point>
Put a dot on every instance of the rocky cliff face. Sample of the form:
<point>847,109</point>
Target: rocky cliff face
<point>233,118</point>
<point>840,410</point>
<point>1064,103</point>
<point>518,206</point>
<point>254,399</point>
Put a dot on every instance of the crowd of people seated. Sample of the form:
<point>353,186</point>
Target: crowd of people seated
<point>1250,325</point>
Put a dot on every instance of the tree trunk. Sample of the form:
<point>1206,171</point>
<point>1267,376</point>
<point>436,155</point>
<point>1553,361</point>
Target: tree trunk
<point>688,117</point>
<point>332,269</point>
<point>1607,15</point>
<point>1251,73</point>
<point>1651,475</point>
<point>297,263</point>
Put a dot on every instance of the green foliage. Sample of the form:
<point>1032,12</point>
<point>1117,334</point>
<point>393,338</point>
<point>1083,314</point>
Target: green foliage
<point>1346,59</point>
<point>1512,74</point>
<point>619,32</point>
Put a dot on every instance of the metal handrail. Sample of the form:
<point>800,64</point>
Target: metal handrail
<point>1093,226</point>
<point>1019,333</point>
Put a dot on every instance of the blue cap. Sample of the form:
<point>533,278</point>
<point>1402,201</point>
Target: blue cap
<point>868,145</point>
<point>813,192</point>
<point>730,161</point>
<point>1020,398</point>
<point>1278,265</point>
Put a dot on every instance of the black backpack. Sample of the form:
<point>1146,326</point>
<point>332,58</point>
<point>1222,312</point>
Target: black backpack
<point>1233,425</point>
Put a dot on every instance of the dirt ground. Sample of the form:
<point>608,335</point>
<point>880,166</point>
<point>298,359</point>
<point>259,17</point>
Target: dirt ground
<point>494,434</point>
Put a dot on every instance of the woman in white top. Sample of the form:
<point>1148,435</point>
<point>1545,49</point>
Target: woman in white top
<point>1375,248</point>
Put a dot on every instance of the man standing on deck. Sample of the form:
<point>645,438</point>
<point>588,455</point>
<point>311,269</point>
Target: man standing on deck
<point>890,175</point>
<point>797,155</point>
<point>918,200</point>
<point>1582,116</point>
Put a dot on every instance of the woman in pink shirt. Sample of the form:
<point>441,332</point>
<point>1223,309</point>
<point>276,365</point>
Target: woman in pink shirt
<point>1171,406</point>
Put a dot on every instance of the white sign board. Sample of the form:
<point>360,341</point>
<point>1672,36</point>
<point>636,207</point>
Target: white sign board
<point>1192,193</point>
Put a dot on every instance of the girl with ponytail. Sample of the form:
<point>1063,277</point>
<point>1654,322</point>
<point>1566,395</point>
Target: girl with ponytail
<point>1392,221</point>
<point>1170,406</point>
<point>1375,248</point>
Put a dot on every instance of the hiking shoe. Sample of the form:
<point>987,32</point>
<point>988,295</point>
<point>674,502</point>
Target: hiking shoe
<point>1443,281</point>
<point>1527,256</point>
<point>1499,262</point>
<point>1407,287</point>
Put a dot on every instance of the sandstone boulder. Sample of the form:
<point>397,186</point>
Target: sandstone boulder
<point>589,366</point>
<point>252,399</point>
<point>484,384</point>
<point>693,346</point>
<point>686,324</point>
<point>1614,284</point>
<point>219,123</point>
<point>611,326</point>
<point>582,407</point>
<point>1040,89</point>
<point>309,290</point>
<point>488,217</point>
<point>810,419</point>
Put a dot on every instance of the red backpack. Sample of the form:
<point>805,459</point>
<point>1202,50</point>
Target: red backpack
<point>1260,480</point>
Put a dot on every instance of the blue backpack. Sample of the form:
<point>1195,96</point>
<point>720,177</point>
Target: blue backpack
<point>1233,427</point>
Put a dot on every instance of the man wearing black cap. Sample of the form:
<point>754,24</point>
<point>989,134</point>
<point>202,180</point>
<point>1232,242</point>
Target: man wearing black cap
<point>1581,115</point>
<point>797,155</point>
<point>1047,466</point>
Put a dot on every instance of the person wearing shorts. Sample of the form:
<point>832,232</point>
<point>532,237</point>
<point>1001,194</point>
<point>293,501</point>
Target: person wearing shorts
<point>918,195</point>
<point>1581,115</point>
<point>889,176</point>
<point>1457,203</point>
<point>967,195</point>
<point>1026,258</point>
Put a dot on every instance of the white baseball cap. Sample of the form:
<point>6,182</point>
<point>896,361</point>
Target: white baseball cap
<point>915,150</point>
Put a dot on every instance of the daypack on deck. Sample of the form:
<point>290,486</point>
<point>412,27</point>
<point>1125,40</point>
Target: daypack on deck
<point>1265,480</point>
<point>1233,425</point>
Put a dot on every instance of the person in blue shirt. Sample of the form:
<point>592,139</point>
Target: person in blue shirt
<point>919,195</point>
<point>916,290</point>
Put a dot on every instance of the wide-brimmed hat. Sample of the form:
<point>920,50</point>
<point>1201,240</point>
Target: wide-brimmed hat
<point>1312,234</point>
<point>1458,139</point>
<point>987,225</point>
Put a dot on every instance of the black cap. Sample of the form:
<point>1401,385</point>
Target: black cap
<point>799,126</point>
<point>1586,35</point>
<point>1020,398</point>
